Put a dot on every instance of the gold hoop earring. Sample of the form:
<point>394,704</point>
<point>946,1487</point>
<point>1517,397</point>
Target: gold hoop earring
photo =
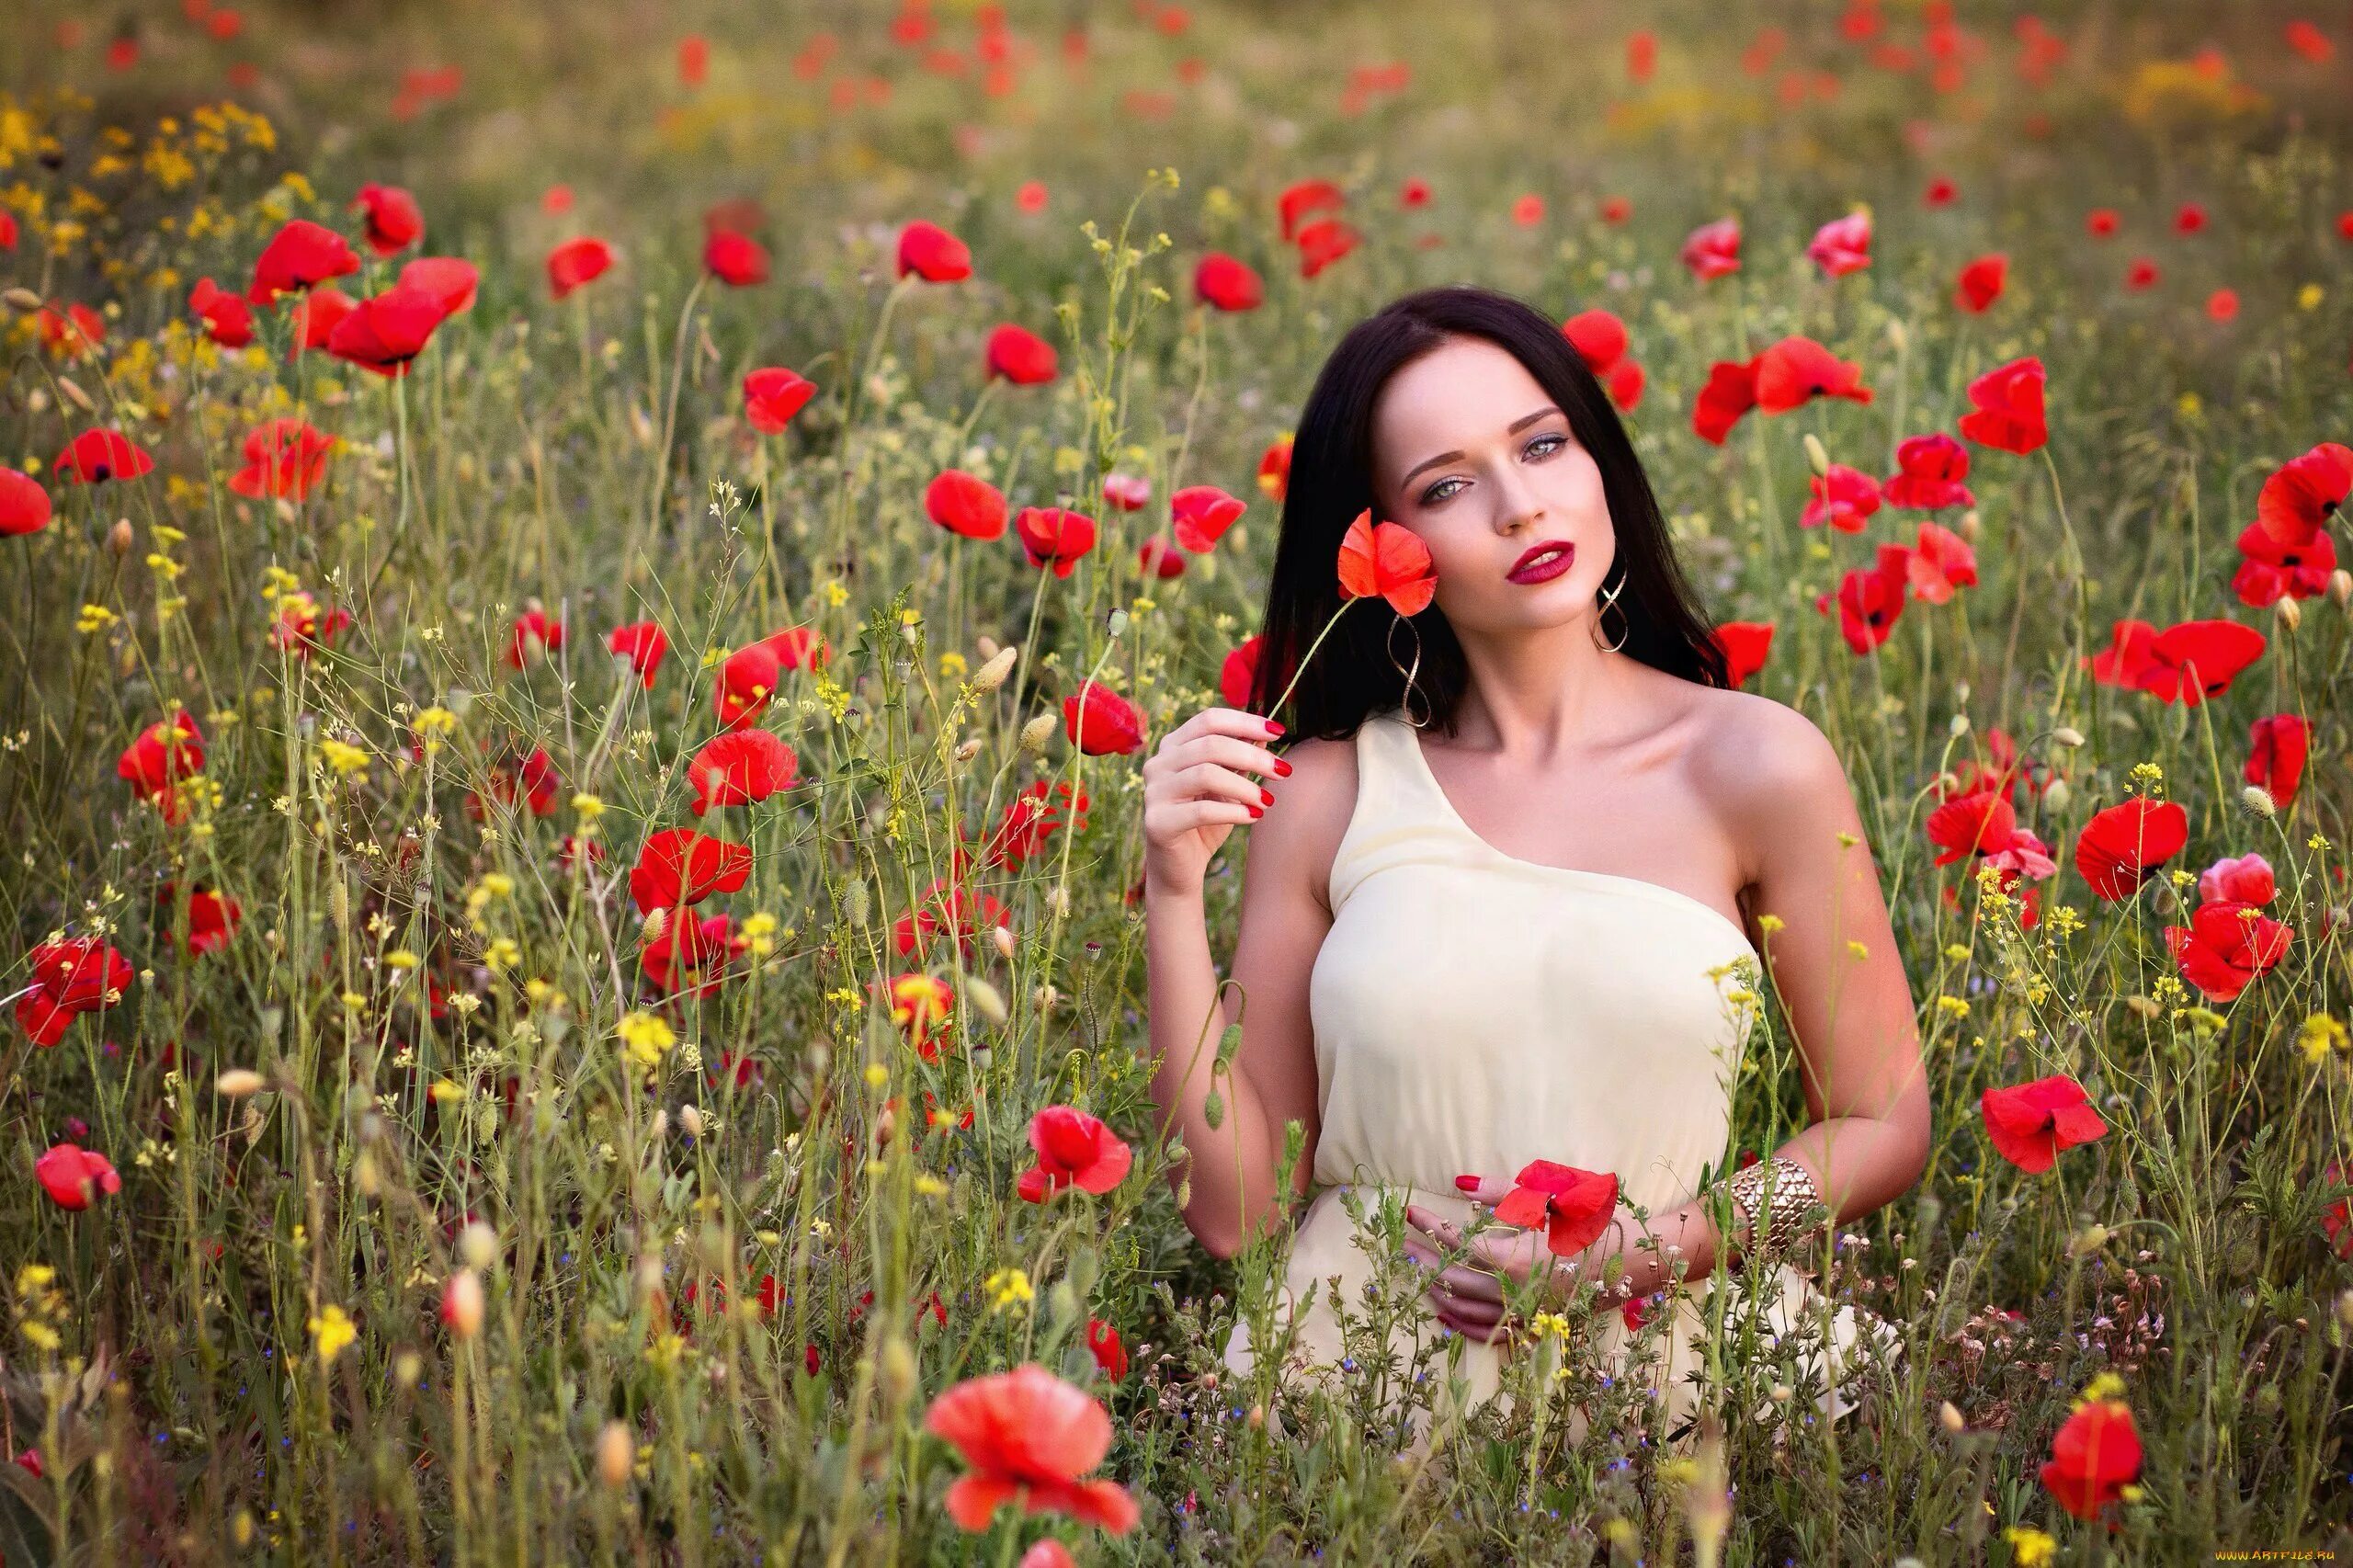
<point>1407,702</point>
<point>1610,601</point>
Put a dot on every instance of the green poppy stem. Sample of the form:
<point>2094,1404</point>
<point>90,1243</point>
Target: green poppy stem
<point>1310,654</point>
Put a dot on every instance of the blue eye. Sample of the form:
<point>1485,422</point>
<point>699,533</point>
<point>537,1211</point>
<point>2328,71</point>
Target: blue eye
<point>1433,495</point>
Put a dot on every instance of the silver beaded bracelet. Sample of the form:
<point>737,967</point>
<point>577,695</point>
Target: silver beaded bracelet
<point>1793,1200</point>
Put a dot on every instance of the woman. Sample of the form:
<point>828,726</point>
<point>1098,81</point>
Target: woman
<point>1493,911</point>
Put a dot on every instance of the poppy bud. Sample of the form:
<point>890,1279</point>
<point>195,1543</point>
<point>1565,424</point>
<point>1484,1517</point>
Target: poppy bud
<point>1003,936</point>
<point>2057,795</point>
<point>461,1304</point>
<point>478,1244</point>
<point>2090,1239</point>
<point>2340,587</point>
<point>1258,1418</point>
<point>985,998</point>
<point>2258,801</point>
<point>986,645</point>
<point>119,538</point>
<point>2143,1007</point>
<point>656,919</point>
<point>616,1454</point>
<point>2291,613</point>
<point>2067,735</point>
<point>1950,1414</point>
<point>239,1082</point>
<point>886,1126</point>
<point>75,395</point>
<point>990,676</point>
<point>1815,458</point>
<point>968,748</point>
<point>365,1173</point>
<point>1969,525</point>
<point>898,1371</point>
<point>1960,725</point>
<point>22,300</point>
<point>1034,733</point>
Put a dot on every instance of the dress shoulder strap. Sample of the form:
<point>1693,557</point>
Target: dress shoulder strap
<point>1381,782</point>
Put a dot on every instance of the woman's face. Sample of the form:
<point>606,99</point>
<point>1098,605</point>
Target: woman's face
<point>1472,454</point>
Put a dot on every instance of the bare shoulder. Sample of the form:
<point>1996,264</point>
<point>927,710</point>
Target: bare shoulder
<point>1300,836</point>
<point>1764,767</point>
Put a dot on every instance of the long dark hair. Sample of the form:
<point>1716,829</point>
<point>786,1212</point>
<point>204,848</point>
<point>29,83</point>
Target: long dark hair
<point>1354,674</point>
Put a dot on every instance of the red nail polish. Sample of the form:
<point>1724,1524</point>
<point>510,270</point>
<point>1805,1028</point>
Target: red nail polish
<point>1283,768</point>
<point>1257,811</point>
<point>1266,797</point>
<point>1273,728</point>
<point>1467,1184</point>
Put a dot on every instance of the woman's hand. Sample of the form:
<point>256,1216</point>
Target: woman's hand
<point>1197,787</point>
<point>1467,1297</point>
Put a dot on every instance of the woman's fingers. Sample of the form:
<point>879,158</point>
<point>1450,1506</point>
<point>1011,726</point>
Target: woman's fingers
<point>1489,1191</point>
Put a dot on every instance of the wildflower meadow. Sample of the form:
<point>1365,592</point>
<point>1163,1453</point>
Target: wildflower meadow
<point>583,591</point>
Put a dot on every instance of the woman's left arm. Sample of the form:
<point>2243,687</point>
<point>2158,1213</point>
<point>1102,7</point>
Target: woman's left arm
<point>1831,957</point>
<point>1822,924</point>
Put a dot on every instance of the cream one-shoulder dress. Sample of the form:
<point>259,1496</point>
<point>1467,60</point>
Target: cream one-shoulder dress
<point>1473,1012</point>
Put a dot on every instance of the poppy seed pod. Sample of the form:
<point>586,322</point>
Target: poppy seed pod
<point>2258,801</point>
<point>990,676</point>
<point>2057,795</point>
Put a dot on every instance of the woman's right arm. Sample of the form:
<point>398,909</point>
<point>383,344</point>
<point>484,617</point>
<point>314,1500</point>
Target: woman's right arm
<point>1229,1175</point>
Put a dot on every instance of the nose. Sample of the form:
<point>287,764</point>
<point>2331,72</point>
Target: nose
<point>1516,500</point>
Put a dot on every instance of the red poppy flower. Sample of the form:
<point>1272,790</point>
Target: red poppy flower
<point>694,60</point>
<point>1745,645</point>
<point>448,278</point>
<point>680,867</point>
<point>1796,370</point>
<point>2222,304</point>
<point>1324,242</point>
<point>1869,599</point>
<point>773,395</point>
<point>301,628</point>
<point>213,917</point>
<point>2270,571</point>
<point>644,644</point>
<point>1940,563</point>
<point>1029,1437</point>
<point>734,258</point>
<point>1843,497</point>
<point>1126,492</point>
<point>2007,408</point>
<point>575,262</point>
<point>1842,245</point>
<point>1073,1150</point>
<point>165,751</point>
<point>24,505</point>
<point>73,1175</point>
<point>385,332</point>
<point>966,504</point>
<point>8,231</point>
<point>1528,210</point>
<point>2123,846</point>
<point>1980,283</point>
<point>1054,537</point>
<point>1030,819</point>
<point>534,782</point>
<point>748,677</point>
<point>2093,1456</point>
<point>1930,468</point>
<point>1940,191</point>
<point>2141,274</point>
<point>1731,392</point>
<point>1598,336</point>
<point>2031,1123</point>
<point>2301,496</point>
<point>2186,663</point>
<point>228,318</point>
<point>1099,721</point>
<point>1305,196</point>
<point>2189,218</point>
<point>2243,879</point>
<point>946,907</point>
<point>1966,826</point>
<point>923,1006</point>
<point>1615,209</point>
<point>2336,1219</point>
<point>95,456</point>
<point>2101,222</point>
<point>1103,1343</point>
<point>1274,469</point>
<point>2279,747</point>
<point>394,221</point>
<point>72,331</point>
<point>1572,1205</point>
<point>283,458</point>
<point>299,257</point>
<point>1200,514</point>
<point>1712,250</point>
<point>691,958</point>
<point>1031,195</point>
<point>1414,192</point>
<point>81,974</point>
<point>741,767</point>
<point>1387,559</point>
<point>1642,54</point>
<point>1228,284</point>
<point>932,254</point>
<point>1020,356</point>
<point>533,638</point>
<point>2227,945</point>
<point>316,315</point>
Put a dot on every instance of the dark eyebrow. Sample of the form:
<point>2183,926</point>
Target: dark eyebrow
<point>1515,427</point>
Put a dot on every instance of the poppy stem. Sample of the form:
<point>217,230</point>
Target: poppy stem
<point>1309,654</point>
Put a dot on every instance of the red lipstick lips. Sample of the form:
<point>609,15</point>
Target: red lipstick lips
<point>1541,563</point>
